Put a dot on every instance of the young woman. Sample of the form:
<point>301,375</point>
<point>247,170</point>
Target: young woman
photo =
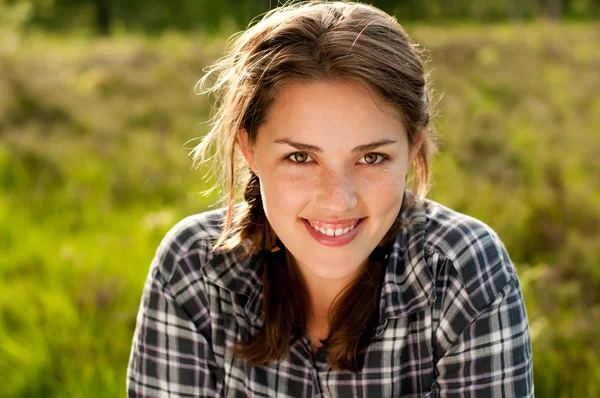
<point>330,277</point>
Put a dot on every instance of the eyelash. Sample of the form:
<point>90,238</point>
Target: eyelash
<point>383,158</point>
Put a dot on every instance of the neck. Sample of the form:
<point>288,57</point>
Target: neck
<point>321,297</point>
<point>322,293</point>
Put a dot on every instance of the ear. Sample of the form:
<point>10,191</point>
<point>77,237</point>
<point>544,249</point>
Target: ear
<point>416,146</point>
<point>244,142</point>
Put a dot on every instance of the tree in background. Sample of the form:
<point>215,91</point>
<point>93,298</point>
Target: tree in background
<point>159,15</point>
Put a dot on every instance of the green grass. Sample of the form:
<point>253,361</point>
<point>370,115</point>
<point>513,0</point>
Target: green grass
<point>94,170</point>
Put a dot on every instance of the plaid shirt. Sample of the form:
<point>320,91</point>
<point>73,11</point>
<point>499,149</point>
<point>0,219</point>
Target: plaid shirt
<point>452,321</point>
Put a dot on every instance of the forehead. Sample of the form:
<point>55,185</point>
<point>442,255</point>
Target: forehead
<point>337,111</point>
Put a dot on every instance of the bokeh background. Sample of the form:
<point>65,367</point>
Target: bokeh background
<point>98,114</point>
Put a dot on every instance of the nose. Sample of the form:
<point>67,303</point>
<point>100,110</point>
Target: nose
<point>337,192</point>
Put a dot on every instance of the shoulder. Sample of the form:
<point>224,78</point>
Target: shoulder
<point>193,234</point>
<point>472,248</point>
<point>186,257</point>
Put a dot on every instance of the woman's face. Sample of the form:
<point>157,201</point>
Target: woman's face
<point>330,158</point>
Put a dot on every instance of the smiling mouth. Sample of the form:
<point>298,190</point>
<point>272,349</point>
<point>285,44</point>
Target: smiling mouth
<point>333,229</point>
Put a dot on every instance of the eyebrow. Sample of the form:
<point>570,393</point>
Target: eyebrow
<point>311,148</point>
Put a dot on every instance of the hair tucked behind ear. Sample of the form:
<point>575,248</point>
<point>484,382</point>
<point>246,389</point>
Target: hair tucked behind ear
<point>306,42</point>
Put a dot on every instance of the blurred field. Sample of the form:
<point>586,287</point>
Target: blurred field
<point>94,170</point>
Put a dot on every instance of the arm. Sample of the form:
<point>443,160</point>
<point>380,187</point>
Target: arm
<point>171,355</point>
<point>492,356</point>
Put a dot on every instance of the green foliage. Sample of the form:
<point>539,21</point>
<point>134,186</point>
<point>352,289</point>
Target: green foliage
<point>94,170</point>
<point>104,16</point>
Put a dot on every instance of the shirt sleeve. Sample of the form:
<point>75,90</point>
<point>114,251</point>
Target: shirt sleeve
<point>492,356</point>
<point>171,354</point>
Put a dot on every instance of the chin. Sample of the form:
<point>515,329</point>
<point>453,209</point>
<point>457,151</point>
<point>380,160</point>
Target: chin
<point>332,267</point>
<point>333,274</point>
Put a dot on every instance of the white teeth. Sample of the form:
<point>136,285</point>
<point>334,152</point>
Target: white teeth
<point>332,232</point>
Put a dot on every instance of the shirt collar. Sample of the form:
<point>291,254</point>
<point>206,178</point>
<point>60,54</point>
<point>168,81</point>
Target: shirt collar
<point>407,286</point>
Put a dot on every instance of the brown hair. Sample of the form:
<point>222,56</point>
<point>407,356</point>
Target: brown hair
<point>305,42</point>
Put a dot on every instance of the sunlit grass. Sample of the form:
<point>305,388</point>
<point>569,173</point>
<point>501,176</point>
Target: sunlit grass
<point>94,170</point>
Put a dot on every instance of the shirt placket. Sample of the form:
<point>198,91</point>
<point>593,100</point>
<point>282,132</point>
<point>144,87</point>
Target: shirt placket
<point>321,367</point>
<point>301,351</point>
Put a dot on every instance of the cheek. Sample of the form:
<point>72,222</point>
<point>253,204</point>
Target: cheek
<point>383,191</point>
<point>283,195</point>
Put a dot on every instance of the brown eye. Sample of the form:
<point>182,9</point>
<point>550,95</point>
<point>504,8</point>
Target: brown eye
<point>374,158</point>
<point>299,157</point>
<point>371,158</point>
